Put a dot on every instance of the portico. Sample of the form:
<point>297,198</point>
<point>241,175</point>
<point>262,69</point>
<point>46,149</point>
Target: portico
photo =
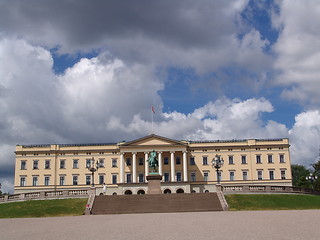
<point>172,158</point>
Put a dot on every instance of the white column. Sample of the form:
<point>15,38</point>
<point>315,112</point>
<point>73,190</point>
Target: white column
<point>173,171</point>
<point>134,167</point>
<point>185,168</point>
<point>146,165</point>
<point>121,168</point>
<point>160,162</point>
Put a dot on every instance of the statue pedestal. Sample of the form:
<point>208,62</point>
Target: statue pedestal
<point>154,185</point>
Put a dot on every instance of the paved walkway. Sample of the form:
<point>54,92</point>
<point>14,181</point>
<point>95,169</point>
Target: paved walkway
<point>301,224</point>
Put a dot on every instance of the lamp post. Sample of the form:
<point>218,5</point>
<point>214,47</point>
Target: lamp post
<point>312,178</point>
<point>217,163</point>
<point>93,167</point>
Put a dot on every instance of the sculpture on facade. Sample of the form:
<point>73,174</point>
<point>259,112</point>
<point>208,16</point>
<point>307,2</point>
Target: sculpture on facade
<point>153,161</point>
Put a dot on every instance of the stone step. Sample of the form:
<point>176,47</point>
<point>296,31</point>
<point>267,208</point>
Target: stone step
<point>156,203</point>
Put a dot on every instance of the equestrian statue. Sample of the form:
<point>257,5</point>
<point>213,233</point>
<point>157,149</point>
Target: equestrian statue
<point>153,162</point>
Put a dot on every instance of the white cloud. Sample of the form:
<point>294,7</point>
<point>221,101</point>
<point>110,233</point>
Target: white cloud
<point>229,119</point>
<point>305,138</point>
<point>298,50</point>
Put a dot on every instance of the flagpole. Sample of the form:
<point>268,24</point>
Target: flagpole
<point>152,120</point>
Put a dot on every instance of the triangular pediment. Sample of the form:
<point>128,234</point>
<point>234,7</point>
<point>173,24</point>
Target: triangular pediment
<point>153,140</point>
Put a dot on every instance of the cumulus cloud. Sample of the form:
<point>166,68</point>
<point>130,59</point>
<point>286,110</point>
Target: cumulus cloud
<point>305,137</point>
<point>298,50</point>
<point>230,119</point>
<point>203,35</point>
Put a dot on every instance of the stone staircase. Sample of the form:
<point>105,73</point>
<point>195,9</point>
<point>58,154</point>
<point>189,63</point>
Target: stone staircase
<point>156,203</point>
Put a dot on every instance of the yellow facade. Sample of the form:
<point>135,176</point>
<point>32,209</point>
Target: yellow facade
<point>184,165</point>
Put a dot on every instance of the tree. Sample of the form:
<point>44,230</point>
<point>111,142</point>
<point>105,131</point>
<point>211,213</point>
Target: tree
<point>299,174</point>
<point>316,173</point>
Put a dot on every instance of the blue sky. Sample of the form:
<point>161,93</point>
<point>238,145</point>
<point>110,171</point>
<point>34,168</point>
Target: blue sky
<point>89,71</point>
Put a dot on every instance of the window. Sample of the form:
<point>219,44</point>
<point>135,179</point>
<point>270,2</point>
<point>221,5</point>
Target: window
<point>178,160</point>
<point>101,179</point>
<point>283,174</point>
<point>75,163</point>
<point>35,164</point>
<point>192,162</point>
<point>101,162</point>
<point>231,160</point>
<point>62,180</point>
<point>243,159</point>
<point>231,176</point>
<point>206,176</point>
<point>141,178</point>
<point>46,180</point>
<point>258,159</point>
<point>128,161</point>
<point>114,162</point>
<point>88,162</point>
<point>281,156</point>
<point>140,161</point>
<point>129,178</point>
<point>245,175</point>
<point>193,177</point>
<point>62,164</point>
<point>47,164</point>
<point>22,181</point>
<point>270,158</point>
<point>271,175</point>
<point>166,161</point>
<point>114,179</point>
<point>88,180</point>
<point>23,165</point>
<point>34,181</point>
<point>259,173</point>
<point>166,177</point>
<point>178,176</point>
<point>204,160</point>
<point>75,180</point>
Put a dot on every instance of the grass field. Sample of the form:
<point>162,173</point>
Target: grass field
<point>241,202</point>
<point>43,208</point>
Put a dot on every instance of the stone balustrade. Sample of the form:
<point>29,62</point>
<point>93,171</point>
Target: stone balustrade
<point>266,189</point>
<point>45,195</point>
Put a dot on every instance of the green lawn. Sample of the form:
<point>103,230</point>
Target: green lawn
<point>43,208</point>
<point>240,202</point>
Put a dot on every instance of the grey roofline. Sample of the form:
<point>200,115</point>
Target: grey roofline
<point>109,144</point>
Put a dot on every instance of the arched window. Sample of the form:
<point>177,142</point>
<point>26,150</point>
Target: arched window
<point>141,192</point>
<point>167,191</point>
<point>128,192</point>
<point>180,190</point>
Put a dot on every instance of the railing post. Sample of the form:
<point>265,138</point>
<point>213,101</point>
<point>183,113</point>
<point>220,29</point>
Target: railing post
<point>42,195</point>
<point>22,195</point>
<point>218,187</point>
<point>6,198</point>
<point>92,191</point>
<point>245,188</point>
<point>268,188</point>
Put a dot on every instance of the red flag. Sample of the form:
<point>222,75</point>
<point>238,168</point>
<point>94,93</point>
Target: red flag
<point>152,108</point>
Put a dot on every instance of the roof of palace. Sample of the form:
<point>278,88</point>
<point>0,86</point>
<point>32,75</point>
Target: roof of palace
<point>152,135</point>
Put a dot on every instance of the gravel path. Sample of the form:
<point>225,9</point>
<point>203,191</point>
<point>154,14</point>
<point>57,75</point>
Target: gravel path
<point>300,224</point>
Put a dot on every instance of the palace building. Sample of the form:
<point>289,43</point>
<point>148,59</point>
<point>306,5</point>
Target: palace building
<point>185,166</point>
